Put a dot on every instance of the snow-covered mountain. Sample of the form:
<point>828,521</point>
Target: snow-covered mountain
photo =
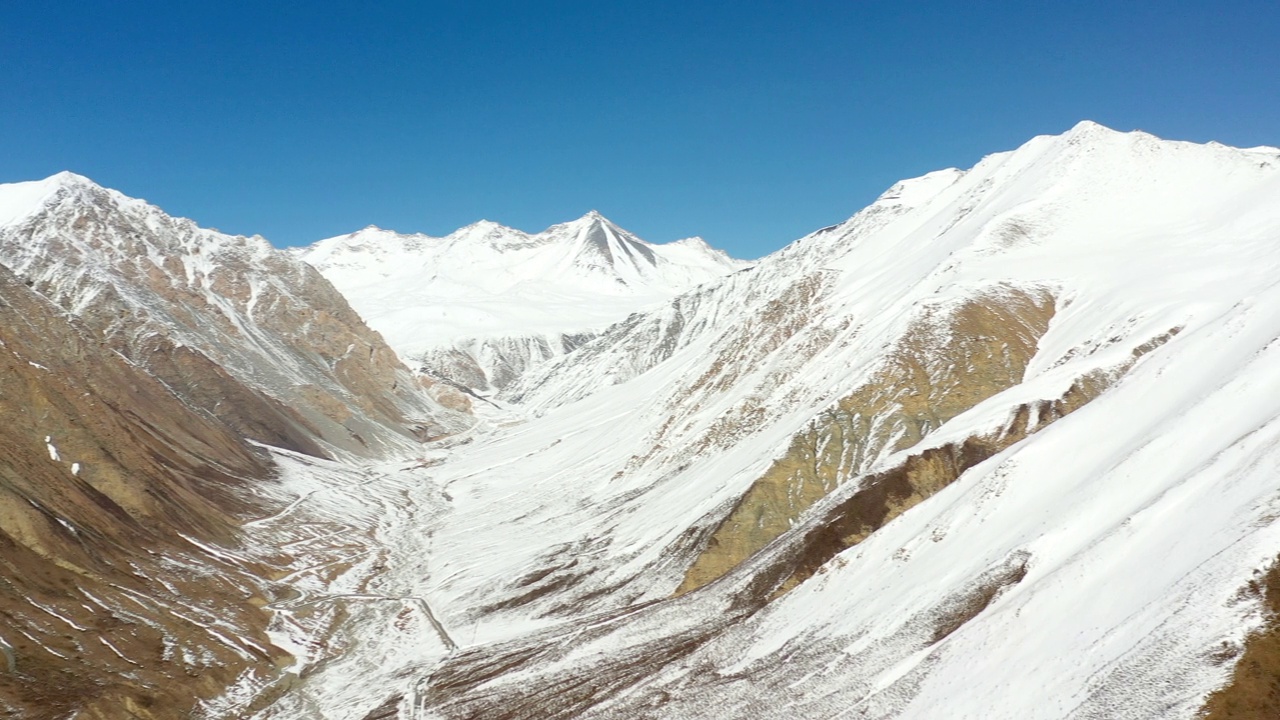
<point>486,303</point>
<point>234,326</point>
<point>1002,444</point>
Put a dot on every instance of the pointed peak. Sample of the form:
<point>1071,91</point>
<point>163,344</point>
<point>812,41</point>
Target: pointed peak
<point>22,199</point>
<point>362,235</point>
<point>1087,126</point>
<point>590,222</point>
<point>590,218</point>
<point>68,178</point>
<point>67,181</point>
<point>695,242</point>
<point>368,235</point>
<point>485,229</point>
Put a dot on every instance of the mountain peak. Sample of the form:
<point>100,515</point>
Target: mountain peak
<point>1089,127</point>
<point>21,199</point>
<point>694,241</point>
<point>482,226</point>
<point>487,231</point>
<point>592,217</point>
<point>1088,131</point>
<point>66,178</point>
<point>365,235</point>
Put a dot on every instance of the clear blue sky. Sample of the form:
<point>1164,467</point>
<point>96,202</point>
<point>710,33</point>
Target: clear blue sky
<point>749,123</point>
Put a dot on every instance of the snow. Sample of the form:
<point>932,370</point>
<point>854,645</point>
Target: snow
<point>486,281</point>
<point>18,200</point>
<point>1141,514</point>
<point>357,619</point>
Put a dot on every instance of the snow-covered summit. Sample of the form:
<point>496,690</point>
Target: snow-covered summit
<point>22,199</point>
<point>496,299</point>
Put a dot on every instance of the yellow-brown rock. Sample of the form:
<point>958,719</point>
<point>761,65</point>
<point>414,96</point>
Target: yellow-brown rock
<point>947,362</point>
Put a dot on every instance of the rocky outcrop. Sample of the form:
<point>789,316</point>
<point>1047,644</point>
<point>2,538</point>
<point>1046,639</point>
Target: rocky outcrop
<point>493,364</point>
<point>1252,691</point>
<point>948,361</point>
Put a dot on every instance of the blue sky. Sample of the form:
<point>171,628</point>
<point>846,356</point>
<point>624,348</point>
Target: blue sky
<point>749,123</point>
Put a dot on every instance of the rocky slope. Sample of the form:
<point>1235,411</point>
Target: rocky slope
<point>113,496</point>
<point>485,304</point>
<point>234,326</point>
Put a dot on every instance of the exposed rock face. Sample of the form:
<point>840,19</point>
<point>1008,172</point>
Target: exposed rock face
<point>235,327</point>
<point>110,488</point>
<point>1252,691</point>
<point>496,363</point>
<point>940,368</point>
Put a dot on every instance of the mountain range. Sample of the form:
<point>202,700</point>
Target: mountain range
<point>483,305</point>
<point>1001,444</point>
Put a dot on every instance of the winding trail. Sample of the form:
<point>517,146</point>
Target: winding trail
<point>349,542</point>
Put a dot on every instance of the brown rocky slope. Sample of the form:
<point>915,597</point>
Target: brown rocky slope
<point>113,494</point>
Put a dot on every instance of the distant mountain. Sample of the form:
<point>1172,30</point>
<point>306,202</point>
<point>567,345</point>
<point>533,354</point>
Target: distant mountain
<point>486,303</point>
<point>232,325</point>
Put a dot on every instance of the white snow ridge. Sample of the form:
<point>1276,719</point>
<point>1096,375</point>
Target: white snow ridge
<point>1003,444</point>
<point>485,303</point>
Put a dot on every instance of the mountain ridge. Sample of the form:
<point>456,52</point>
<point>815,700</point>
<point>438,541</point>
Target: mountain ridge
<point>485,303</point>
<point>830,371</point>
<point>241,329</point>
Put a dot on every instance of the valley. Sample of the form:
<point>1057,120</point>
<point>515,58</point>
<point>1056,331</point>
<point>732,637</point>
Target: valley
<point>1001,444</point>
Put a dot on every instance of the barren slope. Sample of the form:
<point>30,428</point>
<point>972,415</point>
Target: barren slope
<point>112,494</point>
